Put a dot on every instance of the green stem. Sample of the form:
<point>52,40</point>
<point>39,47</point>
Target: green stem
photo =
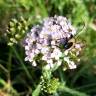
<point>47,75</point>
<point>9,65</point>
<point>72,91</point>
<point>22,63</point>
<point>8,86</point>
<point>36,92</point>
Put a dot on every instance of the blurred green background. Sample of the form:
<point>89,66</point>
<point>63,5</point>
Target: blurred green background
<point>17,78</point>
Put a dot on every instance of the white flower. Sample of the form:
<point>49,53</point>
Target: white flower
<point>56,54</point>
<point>44,50</point>
<point>53,42</point>
<point>49,64</point>
<point>34,63</point>
<point>26,47</point>
<point>26,59</point>
<point>59,62</point>
<point>72,65</point>
<point>37,51</point>
<point>66,59</point>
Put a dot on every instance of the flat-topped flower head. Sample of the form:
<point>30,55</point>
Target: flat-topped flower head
<point>47,42</point>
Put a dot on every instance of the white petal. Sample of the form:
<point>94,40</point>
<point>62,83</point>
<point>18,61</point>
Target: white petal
<point>72,65</point>
<point>34,63</point>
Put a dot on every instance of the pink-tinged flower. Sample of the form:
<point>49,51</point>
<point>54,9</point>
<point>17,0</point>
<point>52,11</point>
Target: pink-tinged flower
<point>47,41</point>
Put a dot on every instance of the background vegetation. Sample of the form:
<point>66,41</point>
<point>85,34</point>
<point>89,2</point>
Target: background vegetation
<point>17,78</point>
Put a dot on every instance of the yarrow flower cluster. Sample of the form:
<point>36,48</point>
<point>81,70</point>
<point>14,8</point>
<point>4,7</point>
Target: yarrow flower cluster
<point>49,42</point>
